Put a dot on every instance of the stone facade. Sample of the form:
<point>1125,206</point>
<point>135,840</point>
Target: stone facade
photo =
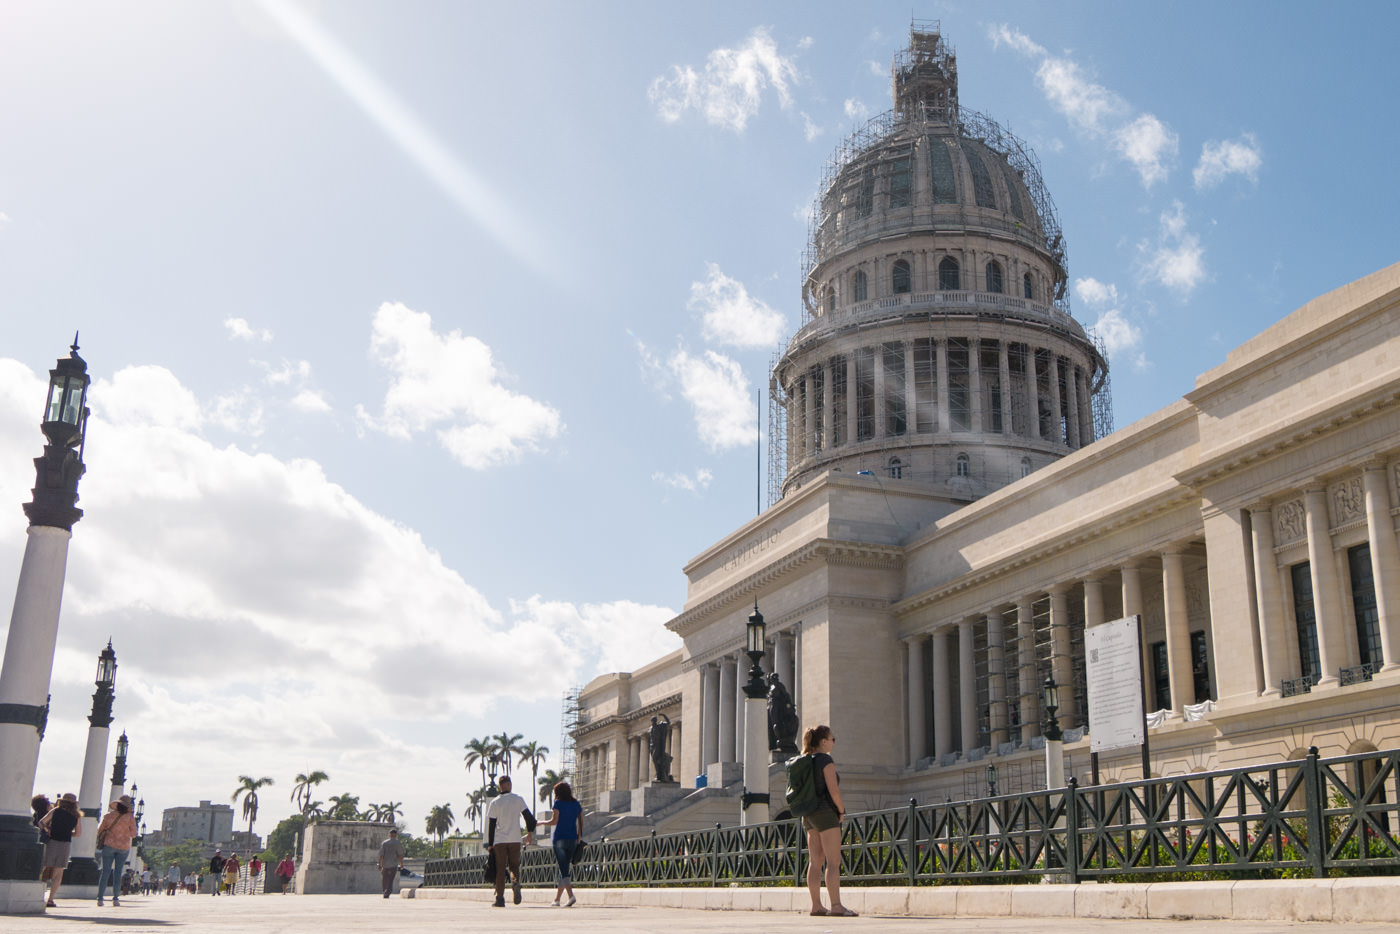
<point>339,858</point>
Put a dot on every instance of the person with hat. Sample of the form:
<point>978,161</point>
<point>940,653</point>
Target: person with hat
<point>63,822</point>
<point>114,836</point>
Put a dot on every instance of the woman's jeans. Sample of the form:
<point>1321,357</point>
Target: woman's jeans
<point>113,861</point>
<point>563,853</point>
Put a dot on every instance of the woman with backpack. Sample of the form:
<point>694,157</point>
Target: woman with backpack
<point>823,825</point>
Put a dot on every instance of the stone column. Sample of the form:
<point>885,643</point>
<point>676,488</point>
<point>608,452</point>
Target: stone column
<point>942,696</point>
<point>879,400</point>
<point>1061,659</point>
<point>941,378</point>
<point>1326,599</point>
<point>911,394</point>
<point>1029,682</point>
<point>852,427</point>
<point>1132,606</point>
<point>726,710</point>
<point>967,687</point>
<point>1057,432</point>
<point>709,736</point>
<point>1072,403</point>
<point>741,677</point>
<point>996,675</point>
<point>1033,391</point>
<point>1086,410</point>
<point>1385,562</point>
<point>1178,630</point>
<point>974,380</point>
<point>1093,602</point>
<point>828,408</point>
<point>917,697</point>
<point>1268,598</point>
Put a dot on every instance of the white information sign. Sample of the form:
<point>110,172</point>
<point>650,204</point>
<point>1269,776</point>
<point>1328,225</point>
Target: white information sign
<point>1114,675</point>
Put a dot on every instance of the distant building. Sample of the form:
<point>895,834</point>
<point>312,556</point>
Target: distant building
<point>208,823</point>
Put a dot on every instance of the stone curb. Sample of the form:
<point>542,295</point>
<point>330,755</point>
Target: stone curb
<point>1341,901</point>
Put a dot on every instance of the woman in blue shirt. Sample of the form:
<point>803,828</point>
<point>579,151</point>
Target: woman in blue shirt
<point>567,821</point>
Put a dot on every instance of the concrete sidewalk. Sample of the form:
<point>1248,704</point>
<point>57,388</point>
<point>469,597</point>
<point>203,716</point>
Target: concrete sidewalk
<point>333,914</point>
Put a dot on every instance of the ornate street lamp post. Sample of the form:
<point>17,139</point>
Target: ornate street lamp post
<point>33,633</point>
<point>755,725</point>
<point>119,769</point>
<point>1054,736</point>
<point>82,867</point>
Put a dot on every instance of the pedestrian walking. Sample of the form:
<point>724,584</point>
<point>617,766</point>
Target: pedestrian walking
<point>566,840</point>
<point>390,861</point>
<point>503,837</point>
<point>285,870</point>
<point>114,836</point>
<point>63,822</point>
<point>216,870</point>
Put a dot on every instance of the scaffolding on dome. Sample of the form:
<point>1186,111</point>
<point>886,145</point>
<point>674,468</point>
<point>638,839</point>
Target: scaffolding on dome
<point>777,433</point>
<point>570,719</point>
<point>1102,397</point>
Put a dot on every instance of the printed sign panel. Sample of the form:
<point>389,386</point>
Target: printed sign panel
<point>1113,671</point>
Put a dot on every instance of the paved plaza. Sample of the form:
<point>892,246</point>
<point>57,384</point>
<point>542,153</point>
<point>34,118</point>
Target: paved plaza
<point>333,914</point>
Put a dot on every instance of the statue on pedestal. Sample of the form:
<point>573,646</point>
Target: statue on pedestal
<point>656,745</point>
<point>782,719</point>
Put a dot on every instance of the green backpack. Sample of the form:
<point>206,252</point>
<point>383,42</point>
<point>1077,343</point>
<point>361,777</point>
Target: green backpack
<point>802,798</point>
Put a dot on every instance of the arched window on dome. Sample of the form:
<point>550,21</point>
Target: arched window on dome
<point>1029,289</point>
<point>829,299</point>
<point>1025,467</point>
<point>899,277</point>
<point>949,275</point>
<point>858,288</point>
<point>896,469</point>
<point>994,281</point>
<point>962,465</point>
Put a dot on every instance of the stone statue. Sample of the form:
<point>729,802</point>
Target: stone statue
<point>656,745</point>
<point>782,719</point>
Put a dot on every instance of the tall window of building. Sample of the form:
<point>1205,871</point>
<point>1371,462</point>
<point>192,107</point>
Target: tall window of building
<point>1305,620</point>
<point>900,280</point>
<point>962,466</point>
<point>1363,601</point>
<point>959,385</point>
<point>839,398</point>
<point>994,283</point>
<point>949,275</point>
<point>1025,467</point>
<point>858,289</point>
<point>1020,391</point>
<point>829,300</point>
<point>901,176</point>
<point>818,426</point>
<point>896,468</point>
<point>981,181</point>
<point>1161,678</point>
<point>925,385</point>
<point>1028,287</point>
<point>1200,666</point>
<point>940,163</point>
<point>990,354</point>
<point>865,199</point>
<point>865,393</point>
<point>896,413</point>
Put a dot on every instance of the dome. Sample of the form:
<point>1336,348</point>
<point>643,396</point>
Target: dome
<point>937,342</point>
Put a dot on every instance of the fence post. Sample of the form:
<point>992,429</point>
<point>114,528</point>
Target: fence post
<point>651,859</point>
<point>798,876</point>
<point>1315,799</point>
<point>714,856</point>
<point>911,860</point>
<point>1072,853</point>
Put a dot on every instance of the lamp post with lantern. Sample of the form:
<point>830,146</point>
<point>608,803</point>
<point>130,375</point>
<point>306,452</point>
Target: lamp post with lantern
<point>82,866</point>
<point>33,634</point>
<point>1054,736</point>
<point>119,769</point>
<point>756,756</point>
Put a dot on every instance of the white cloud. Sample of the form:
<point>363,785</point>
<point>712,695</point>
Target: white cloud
<point>451,383</point>
<point>1119,334</point>
<point>310,401</point>
<point>1223,158</point>
<point>715,387</point>
<point>1002,34</point>
<point>1087,106</point>
<point>685,482</point>
<point>1177,259</point>
<point>729,315</point>
<point>1150,145</point>
<point>730,89</point>
<point>1094,292</point>
<point>239,329</point>
<point>4,218</point>
<point>856,110</point>
<point>810,129</point>
<point>617,636</point>
<point>236,581</point>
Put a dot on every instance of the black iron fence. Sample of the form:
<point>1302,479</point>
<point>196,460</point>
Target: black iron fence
<point>1306,817</point>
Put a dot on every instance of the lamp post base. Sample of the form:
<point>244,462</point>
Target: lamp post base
<point>21,859</point>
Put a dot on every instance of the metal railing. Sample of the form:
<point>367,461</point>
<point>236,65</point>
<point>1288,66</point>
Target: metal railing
<point>1305,817</point>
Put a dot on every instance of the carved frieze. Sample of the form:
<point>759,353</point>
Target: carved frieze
<point>1348,501</point>
<point>1290,522</point>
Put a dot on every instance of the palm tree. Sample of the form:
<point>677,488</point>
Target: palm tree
<point>345,807</point>
<point>507,745</point>
<point>388,812</point>
<point>479,754</point>
<point>248,789</point>
<point>314,810</point>
<point>301,790</point>
<point>440,820</point>
<point>475,805</point>
<point>534,754</point>
<point>548,780</point>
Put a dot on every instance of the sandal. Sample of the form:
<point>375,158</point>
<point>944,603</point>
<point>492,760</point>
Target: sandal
<point>819,910</point>
<point>841,911</point>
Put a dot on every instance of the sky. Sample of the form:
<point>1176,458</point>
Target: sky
<point>426,336</point>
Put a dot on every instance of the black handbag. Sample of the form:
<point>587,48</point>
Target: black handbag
<point>578,851</point>
<point>488,871</point>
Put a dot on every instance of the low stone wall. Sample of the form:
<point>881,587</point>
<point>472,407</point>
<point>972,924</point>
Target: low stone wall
<point>1340,901</point>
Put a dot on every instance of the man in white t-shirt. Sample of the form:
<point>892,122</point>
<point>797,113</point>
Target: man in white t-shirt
<point>503,837</point>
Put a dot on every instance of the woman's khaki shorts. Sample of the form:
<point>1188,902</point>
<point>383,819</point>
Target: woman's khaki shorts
<point>823,818</point>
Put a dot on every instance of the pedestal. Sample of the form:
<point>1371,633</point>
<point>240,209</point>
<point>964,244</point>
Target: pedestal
<point>655,795</point>
<point>21,859</point>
